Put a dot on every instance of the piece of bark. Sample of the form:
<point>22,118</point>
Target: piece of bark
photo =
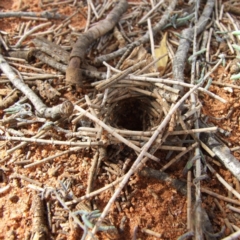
<point>73,72</point>
<point>46,91</point>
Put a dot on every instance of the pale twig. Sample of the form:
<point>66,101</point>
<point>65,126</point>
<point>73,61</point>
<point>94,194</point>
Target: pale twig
<point>233,236</point>
<point>145,148</point>
<point>108,82</point>
<point>199,130</point>
<point>93,8</point>
<point>88,17</point>
<point>46,141</point>
<point>16,175</point>
<point>96,192</point>
<point>189,200</point>
<point>152,233</point>
<point>226,84</point>
<point>34,29</point>
<point>151,38</point>
<point>237,210</point>
<point>191,147</point>
<point>143,19</point>
<point>4,189</point>
<point>52,157</point>
<point>208,44</point>
<point>170,81</point>
<point>92,173</point>
<point>150,64</point>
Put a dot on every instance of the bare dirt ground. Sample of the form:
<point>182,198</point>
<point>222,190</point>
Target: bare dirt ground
<point>145,202</point>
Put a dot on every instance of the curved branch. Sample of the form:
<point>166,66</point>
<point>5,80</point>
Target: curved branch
<point>73,72</point>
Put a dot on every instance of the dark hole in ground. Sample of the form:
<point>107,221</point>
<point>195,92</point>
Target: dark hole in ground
<point>131,114</point>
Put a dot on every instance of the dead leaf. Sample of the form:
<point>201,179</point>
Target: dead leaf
<point>162,50</point>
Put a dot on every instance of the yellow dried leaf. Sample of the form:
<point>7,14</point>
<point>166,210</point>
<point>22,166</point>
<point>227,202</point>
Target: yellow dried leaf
<point>161,51</point>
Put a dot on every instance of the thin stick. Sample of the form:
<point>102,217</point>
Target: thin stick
<point>199,130</point>
<point>93,8</point>
<point>54,142</point>
<point>229,188</point>
<point>152,233</point>
<point>16,175</point>
<point>189,200</point>
<point>108,82</point>
<point>34,29</point>
<point>52,157</point>
<point>170,81</point>
<point>94,193</point>
<point>150,64</point>
<point>151,37</point>
<point>92,172</point>
<point>178,156</point>
<point>143,19</point>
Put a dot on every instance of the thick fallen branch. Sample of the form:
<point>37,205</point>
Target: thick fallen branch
<point>45,14</point>
<point>64,109</point>
<point>185,42</point>
<point>74,73</point>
